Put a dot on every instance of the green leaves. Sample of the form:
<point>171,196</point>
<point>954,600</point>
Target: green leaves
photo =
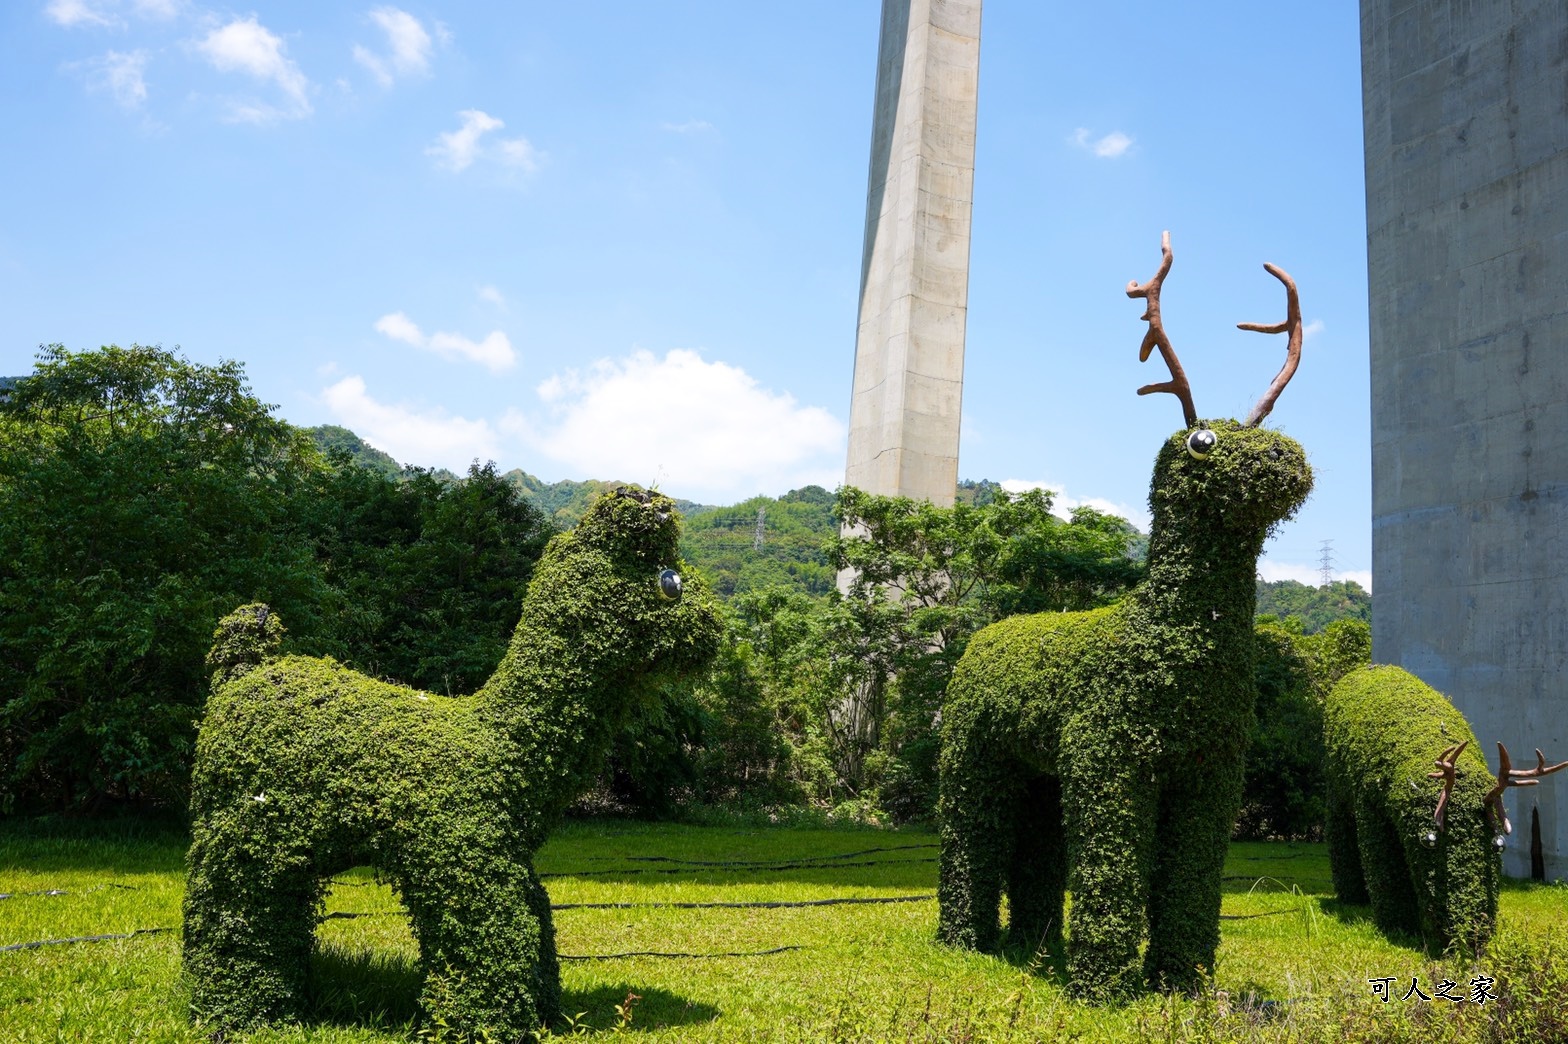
<point>141,495</point>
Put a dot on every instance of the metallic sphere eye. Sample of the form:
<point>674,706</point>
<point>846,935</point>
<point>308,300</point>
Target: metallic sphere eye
<point>670,585</point>
<point>1201,443</point>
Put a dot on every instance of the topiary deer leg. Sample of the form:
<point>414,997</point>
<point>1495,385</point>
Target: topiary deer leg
<point>1196,818</point>
<point>250,924</point>
<point>1344,851</point>
<point>547,992</point>
<point>1109,812</point>
<point>1394,907</point>
<point>1037,878</point>
<point>978,803</point>
<point>491,969</point>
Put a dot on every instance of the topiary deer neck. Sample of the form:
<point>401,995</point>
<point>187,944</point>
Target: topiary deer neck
<point>545,701</point>
<point>1199,576</point>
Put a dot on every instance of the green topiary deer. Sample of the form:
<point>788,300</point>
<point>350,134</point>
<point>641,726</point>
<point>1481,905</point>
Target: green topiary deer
<point>1102,751</point>
<point>1429,863</point>
<point>305,768</point>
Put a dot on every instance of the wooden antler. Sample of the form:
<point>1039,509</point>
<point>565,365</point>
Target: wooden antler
<point>1177,385</point>
<point>1447,770</point>
<point>1508,776</point>
<point>1292,324</point>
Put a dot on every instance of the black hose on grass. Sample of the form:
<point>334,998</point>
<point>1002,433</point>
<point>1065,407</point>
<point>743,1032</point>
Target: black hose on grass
<point>82,939</point>
<point>564,956</point>
<point>766,905</point>
<point>67,891</point>
<point>775,904</point>
<point>769,862</point>
<point>805,864</point>
<point>696,956</point>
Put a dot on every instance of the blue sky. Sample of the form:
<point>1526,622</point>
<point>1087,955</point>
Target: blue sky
<point>622,239</point>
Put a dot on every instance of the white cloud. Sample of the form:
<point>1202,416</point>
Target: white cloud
<point>106,13</point>
<point>705,430</point>
<point>494,352</point>
<point>689,127</point>
<point>246,46</point>
<point>400,327</point>
<point>1110,146</point>
<point>73,13</point>
<point>1062,503</point>
<point>491,295</point>
<point>121,76</point>
<point>1309,573</point>
<point>429,438</point>
<point>408,45</point>
<point>457,150</point>
<point>1312,329</point>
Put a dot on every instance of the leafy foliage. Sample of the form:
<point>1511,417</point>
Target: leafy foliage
<point>427,577</point>
<point>335,441</point>
<point>305,768</point>
<point>565,502</point>
<point>1284,795</point>
<point>141,496</point>
<point>1103,750</point>
<point>923,580</point>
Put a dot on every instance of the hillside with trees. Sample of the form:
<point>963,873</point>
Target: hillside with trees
<point>1312,609</point>
<point>565,501</point>
<point>765,542</point>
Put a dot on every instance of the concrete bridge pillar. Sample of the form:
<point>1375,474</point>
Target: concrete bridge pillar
<point>1466,110</point>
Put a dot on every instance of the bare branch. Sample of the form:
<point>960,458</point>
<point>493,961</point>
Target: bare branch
<point>1292,325</point>
<point>1155,337</point>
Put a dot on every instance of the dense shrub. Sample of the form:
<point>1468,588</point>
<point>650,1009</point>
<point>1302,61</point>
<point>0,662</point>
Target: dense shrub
<point>1284,796</point>
<point>426,576</point>
<point>141,497</point>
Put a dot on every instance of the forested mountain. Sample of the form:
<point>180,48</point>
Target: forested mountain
<point>564,502</point>
<point>1314,607</point>
<point>330,439</point>
<point>764,542</point>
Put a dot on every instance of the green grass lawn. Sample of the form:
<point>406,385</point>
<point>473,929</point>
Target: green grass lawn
<point>1293,963</point>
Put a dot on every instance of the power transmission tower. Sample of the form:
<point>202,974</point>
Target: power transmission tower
<point>1326,560</point>
<point>756,541</point>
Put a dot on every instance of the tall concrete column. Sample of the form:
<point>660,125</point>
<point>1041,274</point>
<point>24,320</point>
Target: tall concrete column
<point>914,280</point>
<point>1466,106</point>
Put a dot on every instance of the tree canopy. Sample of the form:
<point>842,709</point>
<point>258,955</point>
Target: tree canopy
<point>141,497</point>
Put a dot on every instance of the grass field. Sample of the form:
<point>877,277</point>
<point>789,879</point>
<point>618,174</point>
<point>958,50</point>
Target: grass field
<point>1293,963</point>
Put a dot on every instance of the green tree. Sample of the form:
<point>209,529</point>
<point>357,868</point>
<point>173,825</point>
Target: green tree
<point>141,497</point>
<point>722,543</point>
<point>923,579</point>
<point>427,576</point>
<point>1285,794</point>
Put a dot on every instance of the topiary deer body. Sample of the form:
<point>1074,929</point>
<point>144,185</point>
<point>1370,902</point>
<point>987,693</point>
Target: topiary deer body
<point>305,768</point>
<point>1429,863</point>
<point>1102,751</point>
